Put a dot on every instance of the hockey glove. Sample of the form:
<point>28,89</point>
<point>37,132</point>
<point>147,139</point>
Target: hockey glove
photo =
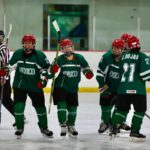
<point>42,83</point>
<point>89,75</point>
<point>54,68</point>
<point>4,72</point>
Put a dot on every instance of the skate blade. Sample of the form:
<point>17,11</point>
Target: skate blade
<point>47,136</point>
<point>63,135</point>
<point>112,137</point>
<point>134,139</point>
<point>106,131</point>
<point>71,135</point>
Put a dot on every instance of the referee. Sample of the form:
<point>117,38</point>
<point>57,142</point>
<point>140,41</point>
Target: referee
<point>4,58</point>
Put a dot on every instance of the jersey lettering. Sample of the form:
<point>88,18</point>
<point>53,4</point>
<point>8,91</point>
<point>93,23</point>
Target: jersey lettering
<point>70,74</point>
<point>114,75</point>
<point>130,56</point>
<point>27,71</point>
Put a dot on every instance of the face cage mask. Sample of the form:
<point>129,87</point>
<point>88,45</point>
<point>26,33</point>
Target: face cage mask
<point>68,54</point>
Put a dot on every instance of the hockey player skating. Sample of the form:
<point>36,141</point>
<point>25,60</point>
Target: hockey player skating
<point>65,93</point>
<point>108,75</point>
<point>134,69</point>
<point>29,64</point>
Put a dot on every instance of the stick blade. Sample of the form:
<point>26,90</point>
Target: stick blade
<point>55,24</point>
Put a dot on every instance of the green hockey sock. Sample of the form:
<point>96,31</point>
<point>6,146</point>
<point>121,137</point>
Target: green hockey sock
<point>113,113</point>
<point>119,117</point>
<point>106,114</point>
<point>72,113</point>
<point>19,114</point>
<point>42,117</point>
<point>137,121</point>
<point>62,112</point>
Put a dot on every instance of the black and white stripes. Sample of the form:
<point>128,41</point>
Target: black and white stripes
<point>4,55</point>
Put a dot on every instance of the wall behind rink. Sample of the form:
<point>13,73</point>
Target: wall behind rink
<point>93,58</point>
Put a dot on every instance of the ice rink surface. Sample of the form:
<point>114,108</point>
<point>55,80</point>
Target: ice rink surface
<point>88,119</point>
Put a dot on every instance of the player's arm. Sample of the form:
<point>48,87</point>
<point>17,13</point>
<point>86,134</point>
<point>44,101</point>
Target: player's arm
<point>87,71</point>
<point>102,72</point>
<point>145,67</point>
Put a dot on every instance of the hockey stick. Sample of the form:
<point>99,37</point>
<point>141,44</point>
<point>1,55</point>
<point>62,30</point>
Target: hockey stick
<point>147,115</point>
<point>4,64</point>
<point>56,57</point>
<point>104,88</point>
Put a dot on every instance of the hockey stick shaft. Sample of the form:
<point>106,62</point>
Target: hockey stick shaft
<point>103,89</point>
<point>56,57</point>
<point>147,115</point>
<point>4,64</point>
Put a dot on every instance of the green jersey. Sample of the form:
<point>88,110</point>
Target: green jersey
<point>135,70</point>
<point>28,69</point>
<point>70,72</point>
<point>108,72</point>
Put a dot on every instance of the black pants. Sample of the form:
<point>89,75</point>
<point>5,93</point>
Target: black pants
<point>37,98</point>
<point>139,102</point>
<point>7,101</point>
<point>60,94</point>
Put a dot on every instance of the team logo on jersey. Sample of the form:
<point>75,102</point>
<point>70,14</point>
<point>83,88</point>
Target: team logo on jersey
<point>131,91</point>
<point>70,74</point>
<point>27,71</point>
<point>114,75</point>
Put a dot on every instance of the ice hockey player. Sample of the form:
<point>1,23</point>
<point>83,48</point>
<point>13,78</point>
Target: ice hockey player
<point>65,93</point>
<point>29,64</point>
<point>135,71</point>
<point>108,76</point>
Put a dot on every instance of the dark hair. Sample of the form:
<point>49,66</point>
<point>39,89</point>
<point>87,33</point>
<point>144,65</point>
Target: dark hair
<point>137,49</point>
<point>2,33</point>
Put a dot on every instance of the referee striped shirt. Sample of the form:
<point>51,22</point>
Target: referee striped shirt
<point>4,55</point>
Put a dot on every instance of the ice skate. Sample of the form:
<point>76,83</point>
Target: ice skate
<point>137,137</point>
<point>47,133</point>
<point>114,130</point>
<point>18,133</point>
<point>72,130</point>
<point>124,126</point>
<point>63,130</point>
<point>103,127</point>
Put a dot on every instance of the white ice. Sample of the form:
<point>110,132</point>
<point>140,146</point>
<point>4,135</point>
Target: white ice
<point>88,119</point>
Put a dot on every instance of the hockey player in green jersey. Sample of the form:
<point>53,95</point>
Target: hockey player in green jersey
<point>108,76</point>
<point>29,64</point>
<point>65,93</point>
<point>134,69</point>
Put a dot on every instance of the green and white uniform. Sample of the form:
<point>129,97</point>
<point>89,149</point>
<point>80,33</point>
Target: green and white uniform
<point>108,73</point>
<point>28,70</point>
<point>135,71</point>
<point>70,73</point>
<point>65,93</point>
